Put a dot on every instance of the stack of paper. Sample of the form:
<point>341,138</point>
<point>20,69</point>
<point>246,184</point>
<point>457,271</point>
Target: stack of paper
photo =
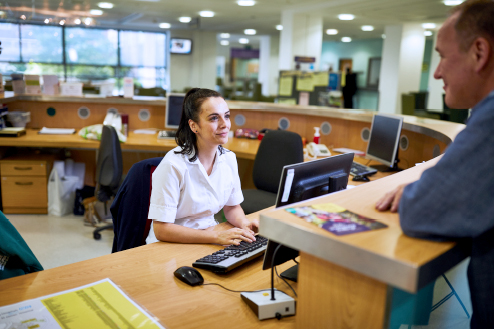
<point>57,131</point>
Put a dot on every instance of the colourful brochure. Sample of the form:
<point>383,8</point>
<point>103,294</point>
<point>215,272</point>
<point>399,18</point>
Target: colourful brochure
<point>336,219</point>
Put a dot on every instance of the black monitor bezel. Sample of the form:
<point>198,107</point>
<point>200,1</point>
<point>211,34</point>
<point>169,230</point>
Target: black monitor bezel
<point>167,112</point>
<point>397,140</point>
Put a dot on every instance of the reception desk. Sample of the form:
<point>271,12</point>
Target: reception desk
<point>343,281</point>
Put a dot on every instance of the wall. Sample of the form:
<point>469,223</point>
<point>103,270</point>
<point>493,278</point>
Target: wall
<point>424,79</point>
<point>197,69</point>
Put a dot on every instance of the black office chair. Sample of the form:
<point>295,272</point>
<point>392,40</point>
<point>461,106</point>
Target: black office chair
<point>278,148</point>
<point>109,170</point>
<point>131,205</point>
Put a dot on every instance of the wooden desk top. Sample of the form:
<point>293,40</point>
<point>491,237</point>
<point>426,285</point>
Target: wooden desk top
<point>385,254</point>
<point>243,148</point>
<point>146,275</point>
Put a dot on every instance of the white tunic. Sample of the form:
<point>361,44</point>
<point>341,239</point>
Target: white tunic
<point>183,193</point>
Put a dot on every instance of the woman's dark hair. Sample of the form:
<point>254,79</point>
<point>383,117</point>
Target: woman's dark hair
<point>191,109</point>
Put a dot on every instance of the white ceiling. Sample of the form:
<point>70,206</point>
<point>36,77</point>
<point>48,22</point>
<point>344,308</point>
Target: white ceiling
<point>229,17</point>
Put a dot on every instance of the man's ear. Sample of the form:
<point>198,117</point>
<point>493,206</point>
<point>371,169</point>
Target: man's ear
<point>482,52</point>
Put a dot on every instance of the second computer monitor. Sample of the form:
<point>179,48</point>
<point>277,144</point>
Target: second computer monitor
<point>174,103</point>
<point>384,138</point>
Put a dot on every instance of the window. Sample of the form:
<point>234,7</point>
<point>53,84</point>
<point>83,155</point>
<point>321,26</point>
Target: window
<point>9,35</point>
<point>41,44</point>
<point>142,48</point>
<point>91,46</point>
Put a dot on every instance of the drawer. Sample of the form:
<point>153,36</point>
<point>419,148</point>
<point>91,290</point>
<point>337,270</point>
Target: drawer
<point>23,168</point>
<point>24,192</point>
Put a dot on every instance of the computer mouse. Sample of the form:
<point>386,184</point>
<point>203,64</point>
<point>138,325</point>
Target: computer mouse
<point>360,178</point>
<point>189,275</point>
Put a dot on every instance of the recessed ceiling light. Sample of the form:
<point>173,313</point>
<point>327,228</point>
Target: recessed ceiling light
<point>77,21</point>
<point>225,35</point>
<point>105,5</point>
<point>206,13</point>
<point>246,3</point>
<point>23,17</point>
<point>367,28</point>
<point>88,21</point>
<point>429,26</point>
<point>243,40</point>
<point>346,17</point>
<point>452,2</point>
<point>96,12</point>
<point>279,27</point>
<point>331,31</point>
<point>184,19</point>
<point>164,25</point>
<point>47,21</point>
<point>224,42</point>
<point>346,39</point>
<point>62,22</point>
<point>250,31</point>
<point>427,33</point>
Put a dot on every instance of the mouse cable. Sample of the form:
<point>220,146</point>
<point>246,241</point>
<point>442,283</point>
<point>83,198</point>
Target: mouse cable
<point>217,284</point>
<point>289,285</point>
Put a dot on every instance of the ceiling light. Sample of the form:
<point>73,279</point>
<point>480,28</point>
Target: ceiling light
<point>246,3</point>
<point>62,22</point>
<point>331,31</point>
<point>23,17</point>
<point>46,21</point>
<point>250,31</point>
<point>165,25</point>
<point>367,28</point>
<point>206,13</point>
<point>346,39</point>
<point>452,2</point>
<point>243,41</point>
<point>184,19</point>
<point>105,5</point>
<point>225,35</point>
<point>427,33</point>
<point>224,42</point>
<point>88,21</point>
<point>96,12</point>
<point>279,27</point>
<point>346,17</point>
<point>429,26</point>
<point>77,21</point>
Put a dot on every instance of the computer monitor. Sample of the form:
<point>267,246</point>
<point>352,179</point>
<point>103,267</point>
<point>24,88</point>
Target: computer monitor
<point>383,141</point>
<point>174,102</point>
<point>300,182</point>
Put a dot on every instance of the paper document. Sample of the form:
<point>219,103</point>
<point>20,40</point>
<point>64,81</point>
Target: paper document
<point>347,150</point>
<point>57,131</point>
<point>98,305</point>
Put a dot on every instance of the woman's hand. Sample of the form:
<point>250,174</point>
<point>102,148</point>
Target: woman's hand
<point>234,236</point>
<point>251,225</point>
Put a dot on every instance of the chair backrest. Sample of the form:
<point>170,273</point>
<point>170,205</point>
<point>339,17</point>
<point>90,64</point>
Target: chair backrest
<point>278,148</point>
<point>131,205</point>
<point>109,168</point>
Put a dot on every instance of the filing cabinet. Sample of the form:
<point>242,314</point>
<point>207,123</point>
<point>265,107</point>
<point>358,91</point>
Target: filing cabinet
<point>24,185</point>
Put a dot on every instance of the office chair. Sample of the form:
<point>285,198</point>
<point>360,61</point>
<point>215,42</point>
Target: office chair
<point>131,204</point>
<point>109,170</point>
<point>278,148</point>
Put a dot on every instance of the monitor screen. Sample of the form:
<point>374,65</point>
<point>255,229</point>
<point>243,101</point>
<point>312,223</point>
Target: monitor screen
<point>180,46</point>
<point>384,138</point>
<point>303,181</point>
<point>173,114</point>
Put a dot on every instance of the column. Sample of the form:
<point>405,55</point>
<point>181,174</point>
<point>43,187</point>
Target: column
<point>401,65</point>
<point>264,58</point>
<point>435,98</point>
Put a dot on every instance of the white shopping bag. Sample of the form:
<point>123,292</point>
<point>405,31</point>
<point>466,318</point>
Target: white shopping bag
<point>61,193</point>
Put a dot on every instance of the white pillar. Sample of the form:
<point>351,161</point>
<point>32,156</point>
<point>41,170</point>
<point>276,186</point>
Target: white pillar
<point>401,65</point>
<point>286,36</point>
<point>264,58</point>
<point>435,98</point>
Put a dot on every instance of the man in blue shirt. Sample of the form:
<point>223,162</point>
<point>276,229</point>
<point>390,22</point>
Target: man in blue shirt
<point>454,200</point>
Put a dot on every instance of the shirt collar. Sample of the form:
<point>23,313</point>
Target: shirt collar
<point>219,157</point>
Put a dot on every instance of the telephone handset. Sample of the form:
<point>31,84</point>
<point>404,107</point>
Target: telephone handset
<point>318,150</point>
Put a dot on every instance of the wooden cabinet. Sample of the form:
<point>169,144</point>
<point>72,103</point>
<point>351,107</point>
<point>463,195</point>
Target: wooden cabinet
<point>24,185</point>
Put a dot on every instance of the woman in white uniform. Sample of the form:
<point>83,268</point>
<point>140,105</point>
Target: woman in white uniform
<point>198,178</point>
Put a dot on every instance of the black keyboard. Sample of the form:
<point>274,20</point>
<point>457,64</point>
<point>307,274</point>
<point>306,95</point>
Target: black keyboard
<point>230,257</point>
<point>167,134</point>
<point>361,170</point>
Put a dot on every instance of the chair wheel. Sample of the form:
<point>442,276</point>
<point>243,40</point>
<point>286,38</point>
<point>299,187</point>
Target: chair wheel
<point>97,236</point>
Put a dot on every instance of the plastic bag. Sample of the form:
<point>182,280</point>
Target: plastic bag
<point>61,193</point>
<point>94,132</point>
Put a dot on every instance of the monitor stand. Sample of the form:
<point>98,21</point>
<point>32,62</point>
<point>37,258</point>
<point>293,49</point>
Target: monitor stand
<point>384,168</point>
<point>291,273</point>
